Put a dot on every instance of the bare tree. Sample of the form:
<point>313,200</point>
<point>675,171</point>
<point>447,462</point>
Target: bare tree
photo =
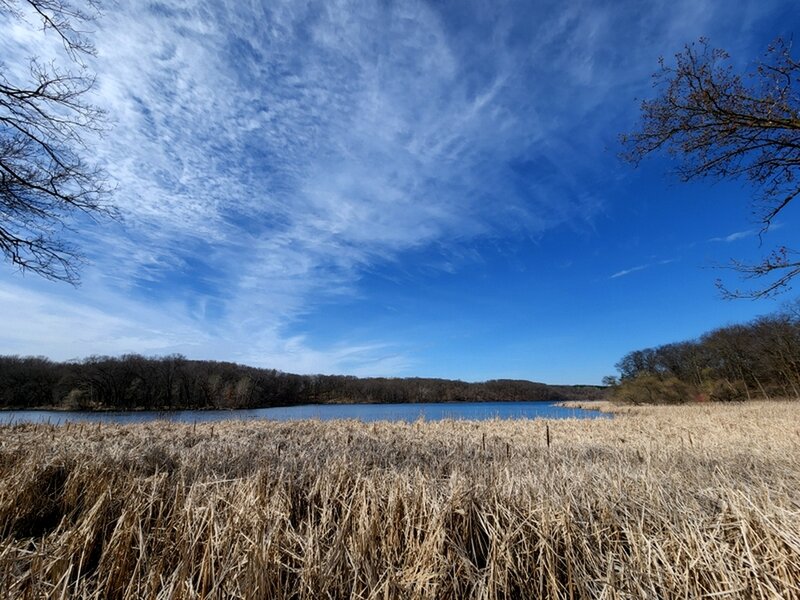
<point>45,177</point>
<point>722,125</point>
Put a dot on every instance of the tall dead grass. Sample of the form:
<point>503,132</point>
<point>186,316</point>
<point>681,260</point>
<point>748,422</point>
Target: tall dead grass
<point>660,502</point>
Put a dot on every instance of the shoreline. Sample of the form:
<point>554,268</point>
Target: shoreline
<point>603,406</point>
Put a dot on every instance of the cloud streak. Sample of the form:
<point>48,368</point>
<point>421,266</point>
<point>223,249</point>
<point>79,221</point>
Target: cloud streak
<point>638,268</point>
<point>625,272</point>
<point>735,236</point>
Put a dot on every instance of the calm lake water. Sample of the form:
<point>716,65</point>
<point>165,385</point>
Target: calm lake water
<point>325,412</point>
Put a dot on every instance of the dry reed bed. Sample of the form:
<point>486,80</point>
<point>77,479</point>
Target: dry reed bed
<point>672,502</point>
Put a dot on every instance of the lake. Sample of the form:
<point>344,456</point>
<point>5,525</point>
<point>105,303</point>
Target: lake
<point>325,412</point>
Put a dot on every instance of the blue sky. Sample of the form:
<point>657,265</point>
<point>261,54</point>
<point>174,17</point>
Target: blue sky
<point>395,189</point>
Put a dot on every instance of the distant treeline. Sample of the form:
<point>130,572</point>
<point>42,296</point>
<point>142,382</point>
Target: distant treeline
<point>758,359</point>
<point>136,382</point>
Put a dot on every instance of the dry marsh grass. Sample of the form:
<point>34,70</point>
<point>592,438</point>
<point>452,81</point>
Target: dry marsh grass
<point>660,502</point>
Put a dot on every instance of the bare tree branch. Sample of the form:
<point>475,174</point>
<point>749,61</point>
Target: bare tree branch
<point>722,125</point>
<point>45,178</point>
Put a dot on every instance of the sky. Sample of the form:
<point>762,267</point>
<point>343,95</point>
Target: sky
<point>394,188</point>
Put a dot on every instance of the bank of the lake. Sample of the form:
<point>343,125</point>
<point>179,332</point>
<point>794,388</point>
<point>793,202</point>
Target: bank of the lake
<point>658,502</point>
<point>603,406</point>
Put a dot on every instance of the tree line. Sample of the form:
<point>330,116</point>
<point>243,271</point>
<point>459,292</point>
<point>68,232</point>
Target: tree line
<point>134,382</point>
<point>758,359</point>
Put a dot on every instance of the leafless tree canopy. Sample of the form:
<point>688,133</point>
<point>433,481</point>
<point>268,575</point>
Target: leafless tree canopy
<point>45,177</point>
<point>723,125</point>
<point>758,359</point>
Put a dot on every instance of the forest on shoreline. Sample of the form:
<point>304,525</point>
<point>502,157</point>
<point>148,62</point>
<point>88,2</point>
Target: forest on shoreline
<point>134,382</point>
<point>759,359</point>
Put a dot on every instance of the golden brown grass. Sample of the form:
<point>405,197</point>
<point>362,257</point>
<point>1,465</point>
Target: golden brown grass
<point>605,406</point>
<point>660,502</point>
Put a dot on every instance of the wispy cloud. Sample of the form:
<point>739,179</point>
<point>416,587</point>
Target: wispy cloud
<point>625,272</point>
<point>736,235</point>
<point>629,271</point>
<point>267,154</point>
